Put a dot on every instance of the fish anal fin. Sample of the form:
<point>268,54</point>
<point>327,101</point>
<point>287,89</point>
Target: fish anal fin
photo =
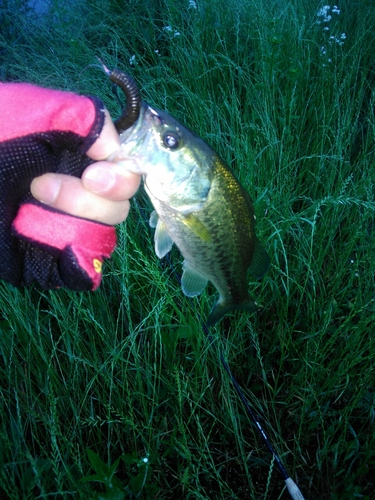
<point>261,261</point>
<point>192,282</point>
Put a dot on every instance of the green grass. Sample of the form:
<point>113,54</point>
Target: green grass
<point>127,372</point>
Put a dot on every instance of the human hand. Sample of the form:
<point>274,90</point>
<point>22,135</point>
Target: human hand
<point>48,138</point>
<point>101,194</point>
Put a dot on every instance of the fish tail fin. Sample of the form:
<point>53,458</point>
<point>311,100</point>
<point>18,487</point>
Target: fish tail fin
<point>220,309</point>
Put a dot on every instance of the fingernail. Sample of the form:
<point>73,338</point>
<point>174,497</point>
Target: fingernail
<point>99,180</point>
<point>46,189</point>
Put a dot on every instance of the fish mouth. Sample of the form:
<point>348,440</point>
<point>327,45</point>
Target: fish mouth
<point>134,140</point>
<point>138,131</point>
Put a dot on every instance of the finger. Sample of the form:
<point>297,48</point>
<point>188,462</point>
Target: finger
<point>68,194</point>
<point>110,181</point>
<point>107,142</point>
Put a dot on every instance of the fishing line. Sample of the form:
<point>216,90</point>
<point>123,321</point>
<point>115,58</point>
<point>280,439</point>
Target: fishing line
<point>292,488</point>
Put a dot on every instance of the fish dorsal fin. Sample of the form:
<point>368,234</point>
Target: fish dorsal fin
<point>261,261</point>
<point>196,226</point>
<point>192,282</point>
<point>163,241</point>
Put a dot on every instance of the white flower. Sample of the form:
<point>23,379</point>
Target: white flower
<point>170,29</point>
<point>342,36</point>
<point>145,460</point>
<point>335,10</point>
<point>323,11</point>
<point>132,60</point>
<point>192,5</point>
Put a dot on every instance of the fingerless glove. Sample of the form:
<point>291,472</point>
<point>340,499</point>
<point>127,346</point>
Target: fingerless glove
<point>44,130</point>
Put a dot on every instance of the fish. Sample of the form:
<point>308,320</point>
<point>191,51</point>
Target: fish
<point>199,205</point>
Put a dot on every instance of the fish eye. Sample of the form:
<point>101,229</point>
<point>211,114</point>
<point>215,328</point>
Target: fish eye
<point>171,140</point>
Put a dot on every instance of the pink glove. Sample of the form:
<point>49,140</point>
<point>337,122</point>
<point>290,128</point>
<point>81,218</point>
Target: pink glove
<point>43,130</point>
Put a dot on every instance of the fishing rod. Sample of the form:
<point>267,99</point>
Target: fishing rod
<point>291,486</point>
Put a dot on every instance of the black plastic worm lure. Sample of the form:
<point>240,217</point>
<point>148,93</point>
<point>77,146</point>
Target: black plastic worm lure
<point>133,98</point>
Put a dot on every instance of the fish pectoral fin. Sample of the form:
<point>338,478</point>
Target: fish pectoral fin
<point>153,220</point>
<point>261,261</point>
<point>196,226</point>
<point>163,241</point>
<point>192,282</point>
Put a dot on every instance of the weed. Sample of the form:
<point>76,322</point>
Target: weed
<point>126,371</point>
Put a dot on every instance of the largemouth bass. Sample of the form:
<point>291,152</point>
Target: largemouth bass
<point>199,204</point>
